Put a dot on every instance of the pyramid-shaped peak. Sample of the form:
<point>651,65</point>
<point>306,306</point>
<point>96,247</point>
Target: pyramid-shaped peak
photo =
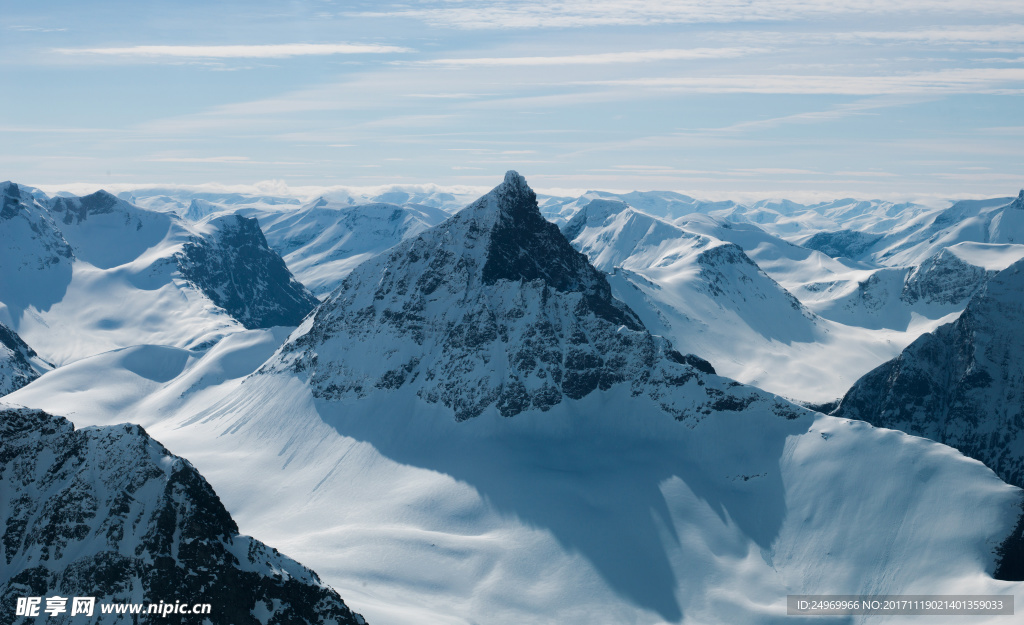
<point>512,200</point>
<point>514,181</point>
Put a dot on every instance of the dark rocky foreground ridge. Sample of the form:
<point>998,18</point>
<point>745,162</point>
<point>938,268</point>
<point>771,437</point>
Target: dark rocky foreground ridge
<point>494,309</point>
<point>962,385</point>
<point>108,512</point>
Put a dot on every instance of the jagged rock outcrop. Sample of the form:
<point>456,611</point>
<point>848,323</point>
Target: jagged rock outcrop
<point>842,243</point>
<point>962,385</point>
<point>29,236</point>
<point>234,267</point>
<point>108,512</point>
<point>75,210</point>
<point>943,279</point>
<point>492,308</point>
<point>16,361</point>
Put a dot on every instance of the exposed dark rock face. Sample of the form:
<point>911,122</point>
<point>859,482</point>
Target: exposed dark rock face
<point>943,279</point>
<point>524,247</point>
<point>492,308</point>
<point>845,243</point>
<point>109,513</point>
<point>1018,204</point>
<point>962,385</point>
<point>1010,554</point>
<point>16,368</point>
<point>236,269</point>
<point>77,209</point>
<point>29,232</point>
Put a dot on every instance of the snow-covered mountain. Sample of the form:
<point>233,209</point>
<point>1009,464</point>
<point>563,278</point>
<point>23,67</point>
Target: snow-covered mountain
<point>663,204</point>
<point>325,239</point>
<point>195,204</point>
<point>780,217</point>
<point>987,233</point>
<point>35,258</point>
<point>19,363</point>
<point>83,275</point>
<point>711,287</point>
<point>109,513</point>
<point>962,384</point>
<point>493,309</point>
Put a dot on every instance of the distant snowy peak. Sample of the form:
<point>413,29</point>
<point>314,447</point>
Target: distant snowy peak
<point>325,239</point>
<point>493,310</point>
<point>1018,204</point>
<point>728,272</point>
<point>662,204</point>
<point>962,384</point>
<point>233,265</point>
<point>200,209</point>
<point>850,244</point>
<point>107,231</point>
<point>19,363</point>
<point>31,238</point>
<point>109,513</point>
<point>614,234</point>
<point>78,209</point>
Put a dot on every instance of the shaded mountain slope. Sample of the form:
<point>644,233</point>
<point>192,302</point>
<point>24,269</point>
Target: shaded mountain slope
<point>963,384</point>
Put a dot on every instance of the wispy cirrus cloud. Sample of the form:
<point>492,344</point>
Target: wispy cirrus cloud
<point>35,29</point>
<point>837,112</point>
<point>506,14</point>
<point>229,160</point>
<point>604,58</point>
<point>260,51</point>
<point>981,34</point>
<point>973,81</point>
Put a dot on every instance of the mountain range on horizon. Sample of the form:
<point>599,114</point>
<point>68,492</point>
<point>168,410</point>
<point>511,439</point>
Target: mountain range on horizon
<point>527,408</point>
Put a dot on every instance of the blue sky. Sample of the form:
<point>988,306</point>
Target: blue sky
<point>712,98</point>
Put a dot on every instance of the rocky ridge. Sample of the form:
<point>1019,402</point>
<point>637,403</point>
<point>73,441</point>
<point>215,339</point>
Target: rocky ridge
<point>108,512</point>
<point>961,385</point>
<point>236,269</point>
